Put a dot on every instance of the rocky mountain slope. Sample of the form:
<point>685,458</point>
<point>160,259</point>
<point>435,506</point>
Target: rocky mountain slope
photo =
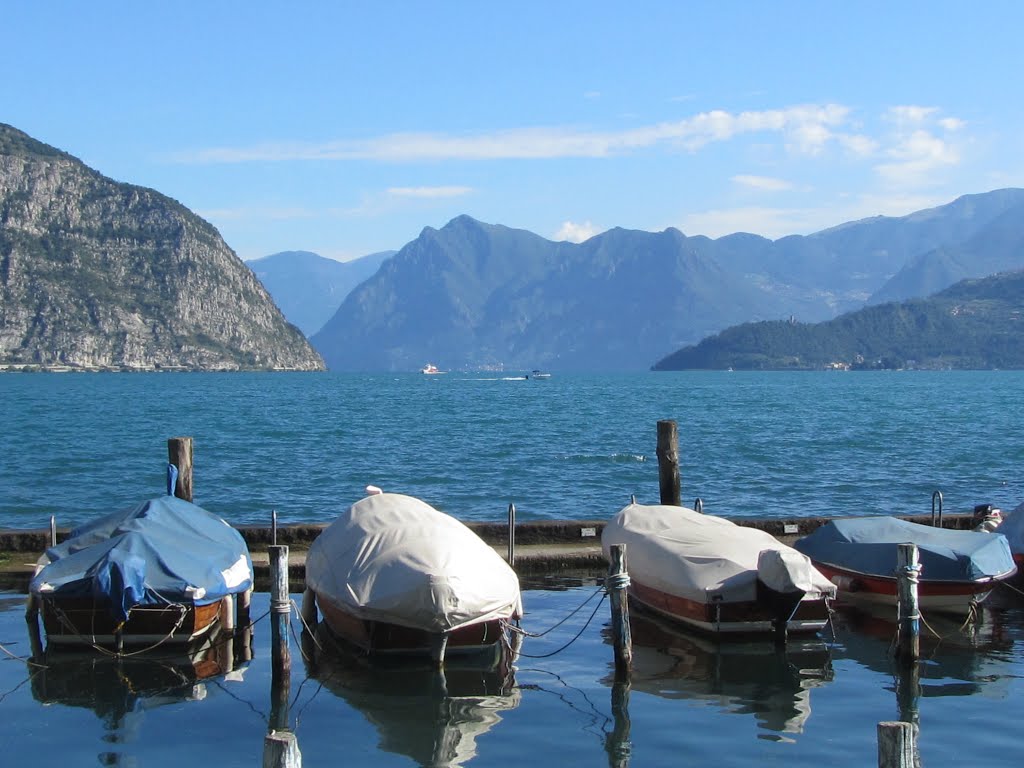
<point>96,274</point>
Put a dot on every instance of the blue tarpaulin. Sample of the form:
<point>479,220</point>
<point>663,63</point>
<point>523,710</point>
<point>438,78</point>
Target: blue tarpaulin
<point>868,545</point>
<point>165,550</point>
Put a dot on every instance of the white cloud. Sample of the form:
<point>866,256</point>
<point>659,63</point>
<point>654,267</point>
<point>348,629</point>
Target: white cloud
<point>429,192</point>
<point>576,232</point>
<point>806,128</point>
<point>916,157</point>
<point>763,183</point>
<point>592,95</point>
<point>858,144</point>
<point>909,115</point>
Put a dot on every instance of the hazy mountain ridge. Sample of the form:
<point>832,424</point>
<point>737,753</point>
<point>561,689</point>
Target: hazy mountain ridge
<point>97,274</point>
<point>309,288</point>
<point>473,295</point>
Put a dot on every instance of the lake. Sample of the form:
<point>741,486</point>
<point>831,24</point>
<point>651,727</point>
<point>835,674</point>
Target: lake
<point>570,447</point>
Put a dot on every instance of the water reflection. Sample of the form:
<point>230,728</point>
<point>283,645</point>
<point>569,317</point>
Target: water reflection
<point>958,658</point>
<point>432,716</point>
<point>120,691</point>
<point>745,677</point>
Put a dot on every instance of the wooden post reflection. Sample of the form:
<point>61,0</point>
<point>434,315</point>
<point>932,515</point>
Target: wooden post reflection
<point>617,743</point>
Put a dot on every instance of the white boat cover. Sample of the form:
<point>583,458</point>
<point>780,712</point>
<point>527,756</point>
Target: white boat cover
<point>396,559</point>
<point>705,558</point>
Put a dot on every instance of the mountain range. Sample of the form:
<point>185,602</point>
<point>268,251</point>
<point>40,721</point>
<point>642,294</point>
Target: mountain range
<point>474,295</point>
<point>309,288</point>
<point>96,274</point>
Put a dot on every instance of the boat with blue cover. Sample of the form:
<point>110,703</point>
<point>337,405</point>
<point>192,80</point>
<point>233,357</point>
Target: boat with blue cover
<point>859,555</point>
<point>161,571</point>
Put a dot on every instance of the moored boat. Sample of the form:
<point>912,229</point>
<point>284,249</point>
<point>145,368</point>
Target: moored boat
<point>392,575</point>
<point>163,571</point>
<point>1012,527</point>
<point>713,575</point>
<point>958,568</point>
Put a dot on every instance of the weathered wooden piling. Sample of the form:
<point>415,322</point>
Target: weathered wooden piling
<point>897,745</point>
<point>668,463</point>
<point>617,582</point>
<point>908,647</point>
<point>281,750</point>
<point>280,653</point>
<point>512,534</point>
<point>179,453</point>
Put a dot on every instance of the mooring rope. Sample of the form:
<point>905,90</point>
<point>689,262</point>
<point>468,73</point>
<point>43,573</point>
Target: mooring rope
<point>1010,587</point>
<point>520,630</point>
<point>577,635</point>
<point>26,659</point>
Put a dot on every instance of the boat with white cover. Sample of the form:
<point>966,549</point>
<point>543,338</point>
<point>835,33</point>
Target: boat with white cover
<point>716,576</point>
<point>393,575</point>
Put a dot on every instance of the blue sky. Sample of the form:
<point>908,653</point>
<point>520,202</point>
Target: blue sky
<point>344,128</point>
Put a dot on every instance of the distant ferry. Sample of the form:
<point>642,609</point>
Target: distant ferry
<point>430,369</point>
<point>540,375</point>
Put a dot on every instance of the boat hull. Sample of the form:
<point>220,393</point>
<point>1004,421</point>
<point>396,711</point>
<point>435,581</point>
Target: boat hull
<point>390,639</point>
<point>869,589</point>
<point>88,622</point>
<point>749,617</point>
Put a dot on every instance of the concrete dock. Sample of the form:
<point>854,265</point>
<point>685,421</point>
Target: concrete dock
<point>542,548</point>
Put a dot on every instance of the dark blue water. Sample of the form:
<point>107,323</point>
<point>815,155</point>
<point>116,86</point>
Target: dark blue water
<point>571,447</point>
<point>691,702</point>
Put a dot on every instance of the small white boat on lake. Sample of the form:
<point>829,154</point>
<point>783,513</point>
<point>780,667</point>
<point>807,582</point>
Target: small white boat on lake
<point>430,370</point>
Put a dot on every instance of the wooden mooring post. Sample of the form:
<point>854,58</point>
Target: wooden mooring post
<point>512,534</point>
<point>897,745</point>
<point>280,748</point>
<point>908,570</point>
<point>179,453</point>
<point>617,582</point>
<point>280,653</point>
<point>668,463</point>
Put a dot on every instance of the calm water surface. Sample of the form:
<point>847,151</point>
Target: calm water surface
<point>571,447</point>
<point>691,702</point>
